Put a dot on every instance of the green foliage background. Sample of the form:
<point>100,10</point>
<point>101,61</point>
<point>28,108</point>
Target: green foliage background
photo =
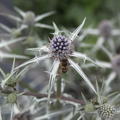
<point>71,12</point>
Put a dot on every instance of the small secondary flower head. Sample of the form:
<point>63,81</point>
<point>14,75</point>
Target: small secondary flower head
<point>106,111</point>
<point>105,28</point>
<point>29,18</point>
<point>11,79</point>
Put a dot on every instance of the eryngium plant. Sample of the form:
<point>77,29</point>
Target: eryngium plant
<point>101,107</point>
<point>106,111</point>
<point>61,49</point>
<point>29,19</point>
<point>105,33</point>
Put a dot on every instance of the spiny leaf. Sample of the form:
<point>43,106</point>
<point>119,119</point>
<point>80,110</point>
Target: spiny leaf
<point>42,16</point>
<point>79,28</point>
<point>82,74</point>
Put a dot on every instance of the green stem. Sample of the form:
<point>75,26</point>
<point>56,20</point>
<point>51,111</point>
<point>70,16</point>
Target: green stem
<point>58,104</point>
<point>58,92</point>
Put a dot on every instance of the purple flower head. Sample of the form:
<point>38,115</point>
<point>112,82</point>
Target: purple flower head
<point>60,47</point>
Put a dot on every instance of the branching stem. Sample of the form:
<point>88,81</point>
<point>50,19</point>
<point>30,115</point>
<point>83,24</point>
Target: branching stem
<point>40,95</point>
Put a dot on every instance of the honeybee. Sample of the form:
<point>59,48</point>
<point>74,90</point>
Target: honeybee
<point>64,65</point>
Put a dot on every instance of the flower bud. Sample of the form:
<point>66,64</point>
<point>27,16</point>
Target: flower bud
<point>89,107</point>
<point>29,18</point>
<point>12,98</point>
<point>105,29</point>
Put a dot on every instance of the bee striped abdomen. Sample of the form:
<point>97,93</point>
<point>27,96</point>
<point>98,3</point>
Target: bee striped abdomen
<point>64,65</point>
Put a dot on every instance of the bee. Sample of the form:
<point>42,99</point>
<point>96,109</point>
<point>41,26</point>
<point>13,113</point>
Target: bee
<point>64,65</point>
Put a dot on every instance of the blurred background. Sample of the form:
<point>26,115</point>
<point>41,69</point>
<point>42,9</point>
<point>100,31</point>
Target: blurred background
<point>69,13</point>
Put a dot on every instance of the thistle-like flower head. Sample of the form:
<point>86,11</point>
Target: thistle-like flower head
<point>60,47</point>
<point>105,28</point>
<point>106,111</point>
<point>103,105</point>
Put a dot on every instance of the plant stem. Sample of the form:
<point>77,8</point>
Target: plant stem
<point>41,95</point>
<point>58,104</point>
<point>58,92</point>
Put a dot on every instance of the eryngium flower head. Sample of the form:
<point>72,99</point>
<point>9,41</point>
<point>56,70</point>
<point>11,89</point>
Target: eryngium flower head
<point>106,111</point>
<point>105,28</point>
<point>29,18</point>
<point>60,47</point>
